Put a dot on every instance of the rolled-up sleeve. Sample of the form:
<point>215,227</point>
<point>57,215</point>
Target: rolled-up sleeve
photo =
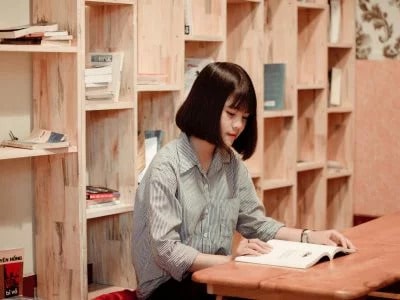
<point>165,222</point>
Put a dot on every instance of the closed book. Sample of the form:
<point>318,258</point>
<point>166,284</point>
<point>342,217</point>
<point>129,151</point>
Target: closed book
<point>11,272</point>
<point>335,83</point>
<point>98,78</point>
<point>335,13</point>
<point>274,86</point>
<point>20,31</point>
<point>98,70</point>
<point>99,192</point>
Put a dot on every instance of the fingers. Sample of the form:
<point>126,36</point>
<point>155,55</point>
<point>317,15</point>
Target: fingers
<point>257,247</point>
<point>341,240</point>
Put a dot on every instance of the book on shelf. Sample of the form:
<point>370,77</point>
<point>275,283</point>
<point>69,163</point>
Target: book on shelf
<point>152,143</point>
<point>22,41</point>
<point>101,203</point>
<point>295,254</point>
<point>101,192</point>
<point>274,86</point>
<point>61,40</point>
<point>99,81</point>
<point>39,139</point>
<point>188,17</point>
<point>58,33</point>
<point>20,31</point>
<point>54,42</point>
<point>335,86</point>
<point>193,67</point>
<point>335,16</point>
<point>11,272</point>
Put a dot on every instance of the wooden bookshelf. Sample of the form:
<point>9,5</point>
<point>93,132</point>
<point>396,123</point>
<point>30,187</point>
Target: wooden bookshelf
<point>289,167</point>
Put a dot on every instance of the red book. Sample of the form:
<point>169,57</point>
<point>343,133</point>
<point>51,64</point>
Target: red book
<point>99,192</point>
<point>11,272</point>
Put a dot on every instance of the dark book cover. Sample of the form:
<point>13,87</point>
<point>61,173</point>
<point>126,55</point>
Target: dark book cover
<point>274,86</point>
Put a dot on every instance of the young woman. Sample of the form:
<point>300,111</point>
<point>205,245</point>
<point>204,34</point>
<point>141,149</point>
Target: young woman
<point>197,191</point>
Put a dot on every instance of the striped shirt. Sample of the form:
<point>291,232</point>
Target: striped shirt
<point>181,211</point>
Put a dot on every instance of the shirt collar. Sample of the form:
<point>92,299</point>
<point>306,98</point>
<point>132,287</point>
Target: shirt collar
<point>188,158</point>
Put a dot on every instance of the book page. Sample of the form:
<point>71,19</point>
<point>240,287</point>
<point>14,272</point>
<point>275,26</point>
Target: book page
<point>292,254</point>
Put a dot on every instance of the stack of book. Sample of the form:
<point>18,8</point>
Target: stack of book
<point>36,34</point>
<point>103,75</point>
<point>99,196</point>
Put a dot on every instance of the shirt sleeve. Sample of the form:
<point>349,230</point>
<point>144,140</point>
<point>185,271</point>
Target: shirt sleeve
<point>253,221</point>
<point>165,222</point>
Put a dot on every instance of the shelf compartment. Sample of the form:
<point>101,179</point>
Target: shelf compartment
<point>13,153</point>
<point>55,92</point>
<point>278,156</point>
<point>101,22</point>
<point>208,19</point>
<point>156,111</point>
<point>161,52</point>
<point>201,49</point>
<point>339,204</point>
<point>311,126</point>
<point>311,195</point>
<point>312,45</point>
<point>347,27</point>
<point>343,59</point>
<point>280,204</point>
<point>109,241</point>
<point>110,151</point>
<point>340,140</point>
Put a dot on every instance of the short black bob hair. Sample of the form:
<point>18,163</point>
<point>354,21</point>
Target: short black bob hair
<point>200,113</point>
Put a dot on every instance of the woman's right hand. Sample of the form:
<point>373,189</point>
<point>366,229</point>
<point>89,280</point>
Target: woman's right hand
<point>251,247</point>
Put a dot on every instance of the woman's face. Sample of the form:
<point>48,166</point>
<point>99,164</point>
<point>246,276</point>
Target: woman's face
<point>233,122</point>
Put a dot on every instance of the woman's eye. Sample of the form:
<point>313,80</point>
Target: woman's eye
<point>230,113</point>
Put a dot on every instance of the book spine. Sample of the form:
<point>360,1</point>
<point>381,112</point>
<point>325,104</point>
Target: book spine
<point>100,196</point>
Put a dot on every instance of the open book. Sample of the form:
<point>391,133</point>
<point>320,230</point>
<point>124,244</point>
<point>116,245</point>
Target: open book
<point>294,254</point>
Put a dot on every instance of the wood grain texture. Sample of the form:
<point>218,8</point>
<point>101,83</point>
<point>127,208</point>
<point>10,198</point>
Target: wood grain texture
<point>373,266</point>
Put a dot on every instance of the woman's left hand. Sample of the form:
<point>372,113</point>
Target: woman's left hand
<point>330,237</point>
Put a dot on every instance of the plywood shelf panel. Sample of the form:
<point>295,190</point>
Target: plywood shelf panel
<point>15,153</point>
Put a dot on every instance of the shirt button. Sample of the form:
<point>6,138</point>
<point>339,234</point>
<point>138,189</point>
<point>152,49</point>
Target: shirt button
<point>205,234</point>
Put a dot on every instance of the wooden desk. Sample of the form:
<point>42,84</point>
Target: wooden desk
<point>376,264</point>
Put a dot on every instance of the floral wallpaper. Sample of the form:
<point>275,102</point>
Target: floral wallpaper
<point>378,29</point>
